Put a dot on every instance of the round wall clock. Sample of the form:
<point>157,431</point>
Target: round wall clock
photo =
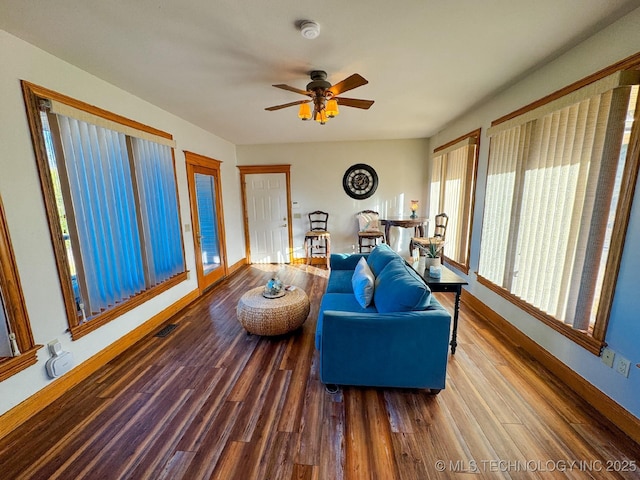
<point>360,181</point>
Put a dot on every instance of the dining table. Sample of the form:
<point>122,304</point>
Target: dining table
<point>418,224</point>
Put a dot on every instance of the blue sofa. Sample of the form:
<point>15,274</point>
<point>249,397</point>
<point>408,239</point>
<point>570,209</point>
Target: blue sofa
<point>401,339</point>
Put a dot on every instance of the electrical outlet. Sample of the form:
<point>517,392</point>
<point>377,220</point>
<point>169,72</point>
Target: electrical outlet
<point>622,366</point>
<point>607,357</point>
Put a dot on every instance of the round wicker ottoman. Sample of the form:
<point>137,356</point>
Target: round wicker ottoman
<point>272,316</point>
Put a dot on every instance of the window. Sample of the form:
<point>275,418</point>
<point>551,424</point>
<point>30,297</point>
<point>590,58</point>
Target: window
<point>110,190</point>
<point>17,348</point>
<point>453,179</point>
<point>558,196</point>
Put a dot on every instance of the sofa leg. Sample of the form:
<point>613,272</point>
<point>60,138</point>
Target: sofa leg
<point>331,388</point>
<point>434,391</point>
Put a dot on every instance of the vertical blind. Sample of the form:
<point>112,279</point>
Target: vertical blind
<point>207,219</point>
<point>551,199</point>
<point>5,346</point>
<point>123,213</point>
<point>97,166</point>
<point>159,209</point>
<point>452,178</point>
<point>435,188</point>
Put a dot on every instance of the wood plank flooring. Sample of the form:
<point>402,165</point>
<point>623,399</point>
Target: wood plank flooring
<point>210,401</point>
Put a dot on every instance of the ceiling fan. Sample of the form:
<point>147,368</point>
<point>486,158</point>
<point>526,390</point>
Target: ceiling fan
<point>324,97</point>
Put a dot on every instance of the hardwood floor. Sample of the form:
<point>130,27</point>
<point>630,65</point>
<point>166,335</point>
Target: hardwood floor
<point>210,401</point>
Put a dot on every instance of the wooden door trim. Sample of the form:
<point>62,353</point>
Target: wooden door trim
<point>194,162</point>
<point>196,159</point>
<point>259,169</point>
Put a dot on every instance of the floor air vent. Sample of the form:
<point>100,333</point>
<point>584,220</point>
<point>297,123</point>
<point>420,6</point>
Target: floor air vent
<point>166,330</point>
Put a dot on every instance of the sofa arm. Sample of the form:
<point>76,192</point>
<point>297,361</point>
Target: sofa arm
<point>407,349</point>
<point>345,261</point>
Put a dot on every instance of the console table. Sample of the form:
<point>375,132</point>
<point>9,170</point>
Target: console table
<point>417,224</point>
<point>448,282</point>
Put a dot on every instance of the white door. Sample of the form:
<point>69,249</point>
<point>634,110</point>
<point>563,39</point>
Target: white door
<point>267,214</point>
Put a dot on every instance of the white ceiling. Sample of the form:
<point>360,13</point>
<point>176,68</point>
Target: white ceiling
<point>212,62</point>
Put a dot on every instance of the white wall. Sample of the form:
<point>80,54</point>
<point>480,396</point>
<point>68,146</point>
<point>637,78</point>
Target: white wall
<point>22,197</point>
<point>317,171</point>
<point>615,43</point>
<point>316,183</point>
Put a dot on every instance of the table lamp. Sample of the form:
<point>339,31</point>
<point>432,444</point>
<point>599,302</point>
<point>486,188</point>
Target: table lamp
<point>414,207</point>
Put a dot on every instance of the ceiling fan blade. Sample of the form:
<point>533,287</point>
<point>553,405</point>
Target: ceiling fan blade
<point>292,89</point>
<point>285,105</point>
<point>354,102</point>
<point>348,83</point>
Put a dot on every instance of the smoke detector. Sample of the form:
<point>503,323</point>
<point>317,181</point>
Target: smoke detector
<point>309,29</point>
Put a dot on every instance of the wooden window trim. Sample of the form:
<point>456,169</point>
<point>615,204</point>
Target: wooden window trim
<point>629,63</point>
<point>583,339</point>
<point>38,91</point>
<point>15,306</point>
<point>32,93</point>
<point>81,329</point>
<point>592,341</point>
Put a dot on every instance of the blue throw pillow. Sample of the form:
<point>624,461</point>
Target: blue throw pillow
<point>363,283</point>
<point>399,288</point>
<point>380,257</point>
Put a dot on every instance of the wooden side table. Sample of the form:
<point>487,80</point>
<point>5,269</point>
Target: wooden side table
<point>448,282</point>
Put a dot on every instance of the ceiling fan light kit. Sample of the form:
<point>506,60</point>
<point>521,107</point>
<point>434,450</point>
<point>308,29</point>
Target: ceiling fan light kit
<point>332,108</point>
<point>325,97</point>
<point>305,111</point>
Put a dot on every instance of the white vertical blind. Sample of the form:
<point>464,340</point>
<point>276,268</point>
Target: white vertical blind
<point>550,187</point>
<point>506,159</point>
<point>452,179</point>
<point>104,207</point>
<point>435,189</point>
<point>122,209</point>
<point>454,201</point>
<point>159,209</point>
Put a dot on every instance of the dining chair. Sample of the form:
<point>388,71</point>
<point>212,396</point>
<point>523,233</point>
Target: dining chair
<point>369,230</point>
<point>318,238</point>
<point>438,238</point>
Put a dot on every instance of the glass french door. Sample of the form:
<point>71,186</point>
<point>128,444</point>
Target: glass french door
<point>208,227</point>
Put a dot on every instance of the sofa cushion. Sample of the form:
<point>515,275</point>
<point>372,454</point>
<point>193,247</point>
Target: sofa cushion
<point>362,283</point>
<point>345,261</point>
<point>344,302</point>
<point>340,282</point>
<point>398,288</point>
<point>380,256</point>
